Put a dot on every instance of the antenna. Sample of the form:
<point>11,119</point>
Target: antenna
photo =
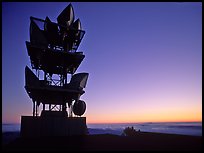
<point>53,51</point>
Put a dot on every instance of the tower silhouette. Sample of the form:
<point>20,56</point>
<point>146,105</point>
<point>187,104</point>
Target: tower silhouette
<point>54,57</point>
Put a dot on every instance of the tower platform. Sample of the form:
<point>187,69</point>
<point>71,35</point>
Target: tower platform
<point>41,126</point>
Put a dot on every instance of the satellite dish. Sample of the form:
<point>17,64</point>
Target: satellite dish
<point>77,25</point>
<point>37,37</point>
<point>78,81</point>
<point>66,17</point>
<point>79,107</point>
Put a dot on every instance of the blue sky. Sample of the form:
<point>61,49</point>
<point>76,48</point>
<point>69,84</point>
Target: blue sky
<point>144,59</point>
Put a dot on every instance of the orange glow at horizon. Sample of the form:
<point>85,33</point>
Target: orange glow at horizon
<point>132,118</point>
<point>154,114</point>
<point>165,116</point>
<point>158,113</point>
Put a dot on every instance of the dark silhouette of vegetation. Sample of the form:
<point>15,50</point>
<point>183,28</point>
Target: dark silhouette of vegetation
<point>130,131</point>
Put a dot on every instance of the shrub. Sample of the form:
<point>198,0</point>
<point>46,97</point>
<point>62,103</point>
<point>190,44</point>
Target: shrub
<point>129,131</point>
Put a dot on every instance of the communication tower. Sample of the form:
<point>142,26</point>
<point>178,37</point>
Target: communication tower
<point>53,54</point>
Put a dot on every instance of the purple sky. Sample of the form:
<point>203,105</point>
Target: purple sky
<point>144,59</point>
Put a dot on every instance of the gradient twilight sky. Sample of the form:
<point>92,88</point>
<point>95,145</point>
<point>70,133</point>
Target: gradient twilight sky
<point>144,59</point>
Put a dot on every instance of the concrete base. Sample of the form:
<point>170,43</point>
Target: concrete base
<point>52,126</point>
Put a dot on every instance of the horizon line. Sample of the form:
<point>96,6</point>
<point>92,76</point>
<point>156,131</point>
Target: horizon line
<point>129,122</point>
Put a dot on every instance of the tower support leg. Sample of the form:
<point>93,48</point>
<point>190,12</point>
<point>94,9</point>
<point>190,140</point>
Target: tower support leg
<point>33,108</point>
<point>43,106</point>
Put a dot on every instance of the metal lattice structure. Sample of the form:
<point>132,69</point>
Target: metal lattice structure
<point>53,52</point>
